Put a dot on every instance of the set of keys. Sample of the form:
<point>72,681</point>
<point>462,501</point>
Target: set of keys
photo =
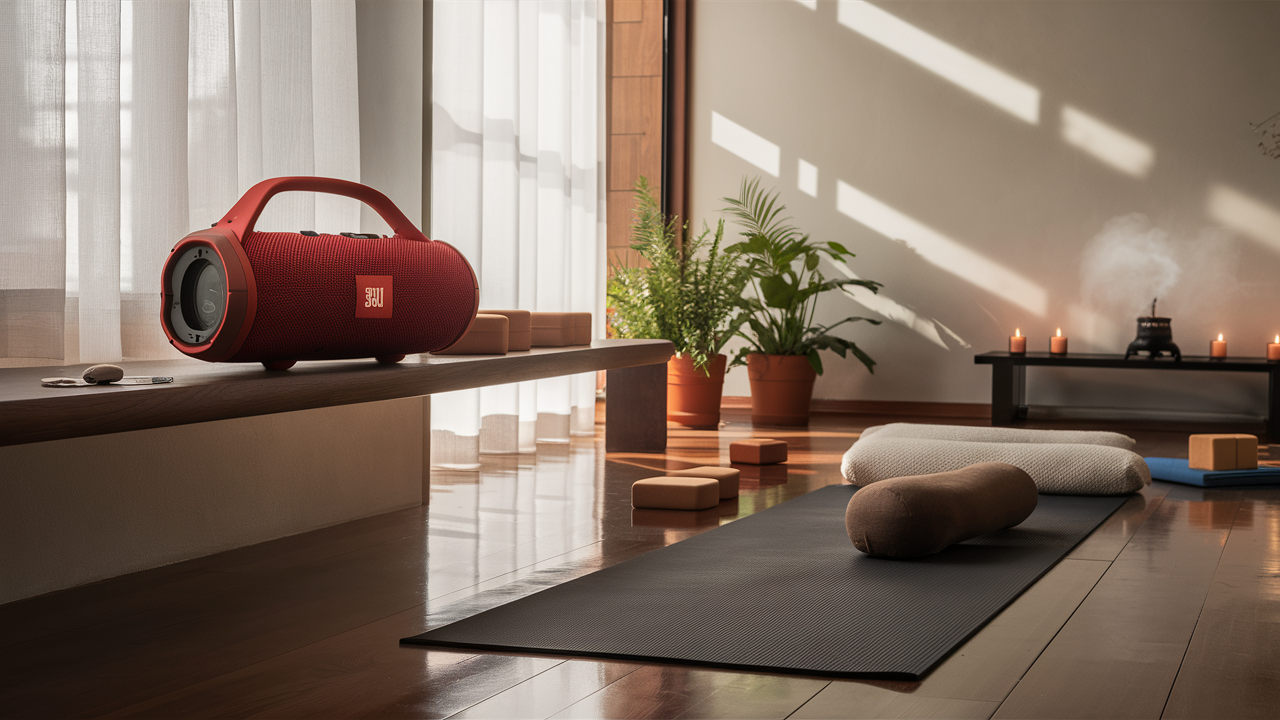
<point>105,375</point>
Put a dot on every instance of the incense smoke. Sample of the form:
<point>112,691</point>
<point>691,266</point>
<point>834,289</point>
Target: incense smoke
<point>1126,265</point>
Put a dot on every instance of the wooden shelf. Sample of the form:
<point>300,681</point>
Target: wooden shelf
<point>202,392</point>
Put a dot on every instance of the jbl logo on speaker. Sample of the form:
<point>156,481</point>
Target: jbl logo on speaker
<point>373,296</point>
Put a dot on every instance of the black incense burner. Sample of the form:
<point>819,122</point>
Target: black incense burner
<point>1155,337</point>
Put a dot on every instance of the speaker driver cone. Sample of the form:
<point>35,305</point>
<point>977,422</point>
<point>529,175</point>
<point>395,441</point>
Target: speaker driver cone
<point>204,295</point>
<point>198,287</point>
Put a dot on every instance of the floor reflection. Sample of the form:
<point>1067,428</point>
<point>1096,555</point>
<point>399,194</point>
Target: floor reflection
<point>521,522</point>
<point>644,517</point>
<point>514,512</point>
<point>1270,566</point>
<point>1219,515</point>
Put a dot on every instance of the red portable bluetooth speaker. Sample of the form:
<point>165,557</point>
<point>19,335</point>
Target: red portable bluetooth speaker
<point>235,295</point>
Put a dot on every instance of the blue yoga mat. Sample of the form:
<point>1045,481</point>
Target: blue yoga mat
<point>1176,470</point>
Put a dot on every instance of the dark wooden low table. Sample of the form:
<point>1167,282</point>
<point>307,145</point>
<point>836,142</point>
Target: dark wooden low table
<point>1009,377</point>
<point>202,392</point>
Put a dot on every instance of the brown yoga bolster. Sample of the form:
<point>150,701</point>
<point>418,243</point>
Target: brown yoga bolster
<point>916,515</point>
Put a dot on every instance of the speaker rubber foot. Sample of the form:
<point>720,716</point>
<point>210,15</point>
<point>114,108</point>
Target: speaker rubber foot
<point>279,364</point>
<point>389,359</point>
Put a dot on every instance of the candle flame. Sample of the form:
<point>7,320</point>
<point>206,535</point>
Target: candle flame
<point>1018,333</point>
<point>1219,337</point>
<point>1059,332</point>
<point>1278,338</point>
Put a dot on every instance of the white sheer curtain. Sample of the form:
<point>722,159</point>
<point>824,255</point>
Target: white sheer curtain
<point>517,184</point>
<point>128,124</point>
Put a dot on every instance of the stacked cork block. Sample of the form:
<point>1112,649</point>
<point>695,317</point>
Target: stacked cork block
<point>704,487</point>
<point>498,332</point>
<point>1223,452</point>
<point>727,478</point>
<point>488,336</point>
<point>696,488</point>
<point>561,329</point>
<point>519,328</point>
<point>675,493</point>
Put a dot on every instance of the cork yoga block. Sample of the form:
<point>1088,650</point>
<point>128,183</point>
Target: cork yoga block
<point>727,477</point>
<point>519,328</point>
<point>487,336</point>
<point>675,493</point>
<point>580,328</point>
<point>916,515</point>
<point>561,329</point>
<point>758,451</point>
<point>1227,451</point>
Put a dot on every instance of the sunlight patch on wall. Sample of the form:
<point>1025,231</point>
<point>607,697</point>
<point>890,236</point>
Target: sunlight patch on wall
<point>1247,215</point>
<point>941,250</point>
<point>892,311</point>
<point>745,144</point>
<point>1123,152</point>
<point>807,178</point>
<point>952,333</point>
<point>988,82</point>
<point>811,4</point>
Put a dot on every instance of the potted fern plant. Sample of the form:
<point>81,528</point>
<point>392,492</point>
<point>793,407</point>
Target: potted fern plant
<point>783,356</point>
<point>689,292</point>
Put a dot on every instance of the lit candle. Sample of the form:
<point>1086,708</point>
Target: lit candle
<point>1018,344</point>
<point>1218,348</point>
<point>1273,349</point>
<point>1058,344</point>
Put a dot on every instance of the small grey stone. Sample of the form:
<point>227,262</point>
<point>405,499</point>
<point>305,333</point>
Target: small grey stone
<point>102,374</point>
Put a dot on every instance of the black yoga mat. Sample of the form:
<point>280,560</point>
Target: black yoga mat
<point>784,590</point>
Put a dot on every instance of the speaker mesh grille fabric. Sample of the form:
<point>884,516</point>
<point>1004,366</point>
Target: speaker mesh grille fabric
<point>307,297</point>
<point>784,590</point>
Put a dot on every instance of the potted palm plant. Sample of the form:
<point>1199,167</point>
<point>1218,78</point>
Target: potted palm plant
<point>689,292</point>
<point>782,357</point>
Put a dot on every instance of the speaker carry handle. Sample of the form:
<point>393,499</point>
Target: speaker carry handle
<point>244,214</point>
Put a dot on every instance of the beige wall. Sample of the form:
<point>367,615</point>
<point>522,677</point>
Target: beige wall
<point>1181,81</point>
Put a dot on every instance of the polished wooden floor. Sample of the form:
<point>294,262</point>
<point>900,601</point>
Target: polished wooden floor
<point>1170,609</point>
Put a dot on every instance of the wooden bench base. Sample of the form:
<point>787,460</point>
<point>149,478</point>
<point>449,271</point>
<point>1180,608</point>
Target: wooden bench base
<point>1009,377</point>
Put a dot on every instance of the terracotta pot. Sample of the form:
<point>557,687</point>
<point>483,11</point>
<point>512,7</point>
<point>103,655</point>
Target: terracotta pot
<point>693,398</point>
<point>781,388</point>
